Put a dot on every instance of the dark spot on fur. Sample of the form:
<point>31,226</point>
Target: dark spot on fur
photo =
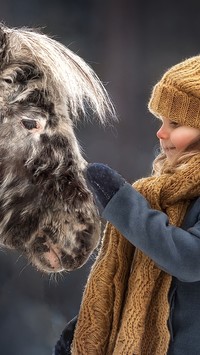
<point>52,121</point>
<point>80,217</point>
<point>42,238</point>
<point>72,190</point>
<point>56,141</point>
<point>39,245</point>
<point>40,99</point>
<point>67,244</point>
<point>82,237</point>
<point>41,248</point>
<point>26,72</point>
<point>46,168</point>
<point>1,117</point>
<point>3,46</point>
<point>71,116</point>
<point>21,225</point>
<point>21,231</point>
<point>76,251</point>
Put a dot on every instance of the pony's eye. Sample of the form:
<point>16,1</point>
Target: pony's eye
<point>29,124</point>
<point>8,81</point>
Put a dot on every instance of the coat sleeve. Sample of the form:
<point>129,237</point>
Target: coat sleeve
<point>63,346</point>
<point>175,250</point>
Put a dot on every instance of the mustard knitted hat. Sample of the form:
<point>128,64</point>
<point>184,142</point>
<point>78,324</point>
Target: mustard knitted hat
<point>177,95</point>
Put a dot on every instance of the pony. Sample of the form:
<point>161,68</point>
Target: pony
<point>47,211</point>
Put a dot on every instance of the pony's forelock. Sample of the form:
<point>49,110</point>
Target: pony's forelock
<point>69,78</point>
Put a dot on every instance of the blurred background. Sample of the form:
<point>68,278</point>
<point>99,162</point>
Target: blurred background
<point>129,43</point>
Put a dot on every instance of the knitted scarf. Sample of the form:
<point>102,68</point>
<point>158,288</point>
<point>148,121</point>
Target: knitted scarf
<point>125,306</point>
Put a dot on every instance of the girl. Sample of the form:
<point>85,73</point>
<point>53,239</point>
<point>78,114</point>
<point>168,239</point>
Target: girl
<point>143,293</point>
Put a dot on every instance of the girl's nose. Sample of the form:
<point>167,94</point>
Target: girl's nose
<point>162,133</point>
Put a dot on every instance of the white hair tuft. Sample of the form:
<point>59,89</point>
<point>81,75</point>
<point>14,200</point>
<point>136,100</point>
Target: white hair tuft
<point>71,81</point>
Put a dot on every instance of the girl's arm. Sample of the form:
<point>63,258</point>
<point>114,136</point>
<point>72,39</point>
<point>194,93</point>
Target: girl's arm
<point>175,250</point>
<point>63,346</point>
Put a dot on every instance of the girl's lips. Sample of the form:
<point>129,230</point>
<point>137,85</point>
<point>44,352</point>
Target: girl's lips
<point>168,148</point>
<point>169,151</point>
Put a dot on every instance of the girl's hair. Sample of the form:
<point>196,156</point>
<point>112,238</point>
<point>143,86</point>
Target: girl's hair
<point>161,164</point>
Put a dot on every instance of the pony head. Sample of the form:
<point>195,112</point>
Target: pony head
<point>47,211</point>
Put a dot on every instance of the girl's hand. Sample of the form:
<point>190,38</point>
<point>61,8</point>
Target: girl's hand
<point>104,182</point>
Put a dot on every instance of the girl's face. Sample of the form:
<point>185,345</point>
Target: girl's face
<point>175,138</point>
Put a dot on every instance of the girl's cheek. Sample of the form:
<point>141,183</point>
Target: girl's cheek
<point>181,137</point>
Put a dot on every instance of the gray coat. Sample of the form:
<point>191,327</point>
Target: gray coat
<point>175,250</point>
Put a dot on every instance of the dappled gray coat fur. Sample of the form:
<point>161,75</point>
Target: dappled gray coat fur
<point>46,209</point>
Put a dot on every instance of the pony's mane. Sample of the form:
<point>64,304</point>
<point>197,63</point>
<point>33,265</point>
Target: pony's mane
<point>65,74</point>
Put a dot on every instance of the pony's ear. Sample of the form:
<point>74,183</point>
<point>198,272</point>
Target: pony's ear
<point>3,45</point>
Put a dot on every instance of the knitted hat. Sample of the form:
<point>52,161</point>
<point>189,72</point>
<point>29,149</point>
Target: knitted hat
<point>177,95</point>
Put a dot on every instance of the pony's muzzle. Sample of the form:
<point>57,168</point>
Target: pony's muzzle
<point>52,257</point>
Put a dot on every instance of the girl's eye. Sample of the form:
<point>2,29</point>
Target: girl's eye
<point>29,124</point>
<point>174,124</point>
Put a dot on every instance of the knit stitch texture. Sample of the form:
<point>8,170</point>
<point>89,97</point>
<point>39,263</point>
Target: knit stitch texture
<point>177,95</point>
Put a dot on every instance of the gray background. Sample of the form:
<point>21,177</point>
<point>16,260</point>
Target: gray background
<point>129,44</point>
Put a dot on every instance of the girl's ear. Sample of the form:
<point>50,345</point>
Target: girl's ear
<point>3,45</point>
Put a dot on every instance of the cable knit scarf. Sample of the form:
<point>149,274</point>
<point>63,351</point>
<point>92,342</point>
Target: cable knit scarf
<point>125,304</point>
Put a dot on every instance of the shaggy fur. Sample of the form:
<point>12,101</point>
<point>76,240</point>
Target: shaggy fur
<point>46,209</point>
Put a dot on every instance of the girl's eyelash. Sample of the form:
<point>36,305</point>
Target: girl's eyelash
<point>173,123</point>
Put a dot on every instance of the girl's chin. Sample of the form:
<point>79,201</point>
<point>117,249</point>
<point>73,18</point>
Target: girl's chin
<point>171,154</point>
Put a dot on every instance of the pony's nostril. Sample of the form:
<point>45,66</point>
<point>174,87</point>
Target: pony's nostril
<point>67,259</point>
<point>88,231</point>
<point>41,248</point>
<point>40,245</point>
<point>29,124</point>
<point>83,238</point>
